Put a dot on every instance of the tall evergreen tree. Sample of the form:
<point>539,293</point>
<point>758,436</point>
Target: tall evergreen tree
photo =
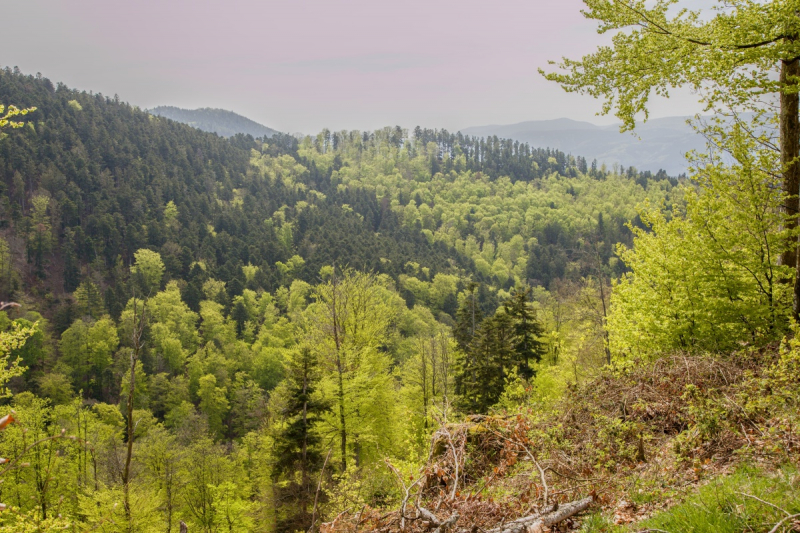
<point>527,330</point>
<point>297,455</point>
<point>490,357</point>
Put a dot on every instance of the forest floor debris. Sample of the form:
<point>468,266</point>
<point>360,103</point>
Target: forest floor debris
<point>627,445</point>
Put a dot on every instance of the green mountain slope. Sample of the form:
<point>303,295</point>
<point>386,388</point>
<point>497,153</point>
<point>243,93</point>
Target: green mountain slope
<point>219,121</point>
<point>239,309</point>
<point>109,170</point>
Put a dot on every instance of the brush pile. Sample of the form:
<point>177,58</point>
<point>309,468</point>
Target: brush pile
<point>657,427</point>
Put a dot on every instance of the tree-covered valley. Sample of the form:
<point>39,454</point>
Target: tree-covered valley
<point>359,263</point>
<point>406,330</point>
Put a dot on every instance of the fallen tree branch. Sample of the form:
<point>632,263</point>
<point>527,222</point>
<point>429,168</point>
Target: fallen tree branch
<point>537,522</point>
<point>781,509</point>
<point>441,526</point>
<point>779,524</point>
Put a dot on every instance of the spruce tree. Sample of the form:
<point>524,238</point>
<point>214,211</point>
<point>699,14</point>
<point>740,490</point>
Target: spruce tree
<point>527,330</point>
<point>297,455</point>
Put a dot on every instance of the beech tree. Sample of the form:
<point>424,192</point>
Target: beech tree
<point>744,55</point>
<point>7,116</point>
<point>708,279</point>
<point>349,322</point>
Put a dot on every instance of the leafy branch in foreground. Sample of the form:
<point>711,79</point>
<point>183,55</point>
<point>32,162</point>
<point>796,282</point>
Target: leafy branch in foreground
<point>741,56</point>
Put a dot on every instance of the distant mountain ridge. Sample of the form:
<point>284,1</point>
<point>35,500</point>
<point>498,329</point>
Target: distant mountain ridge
<point>657,144</point>
<point>220,121</point>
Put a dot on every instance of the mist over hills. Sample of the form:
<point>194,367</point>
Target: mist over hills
<point>220,121</point>
<point>656,144</point>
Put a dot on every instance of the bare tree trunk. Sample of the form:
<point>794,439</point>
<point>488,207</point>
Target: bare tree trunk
<point>136,337</point>
<point>424,377</point>
<point>340,370</point>
<point>306,481</point>
<point>445,362</point>
<point>790,149</point>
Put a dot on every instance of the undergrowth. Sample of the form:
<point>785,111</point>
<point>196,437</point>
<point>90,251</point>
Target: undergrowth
<point>695,443</point>
<point>748,500</point>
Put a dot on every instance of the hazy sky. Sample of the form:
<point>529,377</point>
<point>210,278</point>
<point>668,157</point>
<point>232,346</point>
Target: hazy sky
<point>302,65</point>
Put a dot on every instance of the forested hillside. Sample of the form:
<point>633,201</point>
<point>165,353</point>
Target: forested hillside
<point>236,333</point>
<point>396,331</point>
<point>411,331</point>
<point>223,123</point>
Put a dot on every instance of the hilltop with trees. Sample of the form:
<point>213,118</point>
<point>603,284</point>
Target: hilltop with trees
<point>409,330</point>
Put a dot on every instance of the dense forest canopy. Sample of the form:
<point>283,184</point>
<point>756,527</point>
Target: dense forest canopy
<point>345,276</point>
<point>264,334</point>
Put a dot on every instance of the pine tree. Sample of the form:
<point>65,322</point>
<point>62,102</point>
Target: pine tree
<point>527,330</point>
<point>297,455</point>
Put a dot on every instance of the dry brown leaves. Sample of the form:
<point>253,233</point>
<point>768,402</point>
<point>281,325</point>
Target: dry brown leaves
<point>603,438</point>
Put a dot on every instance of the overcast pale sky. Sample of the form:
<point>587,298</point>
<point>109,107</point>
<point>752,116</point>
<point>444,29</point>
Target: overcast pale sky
<point>302,65</point>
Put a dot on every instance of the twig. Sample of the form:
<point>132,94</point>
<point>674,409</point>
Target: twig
<point>360,517</point>
<point>407,491</point>
<point>316,495</point>
<point>784,511</point>
<point>546,495</point>
<point>559,474</point>
<point>779,524</point>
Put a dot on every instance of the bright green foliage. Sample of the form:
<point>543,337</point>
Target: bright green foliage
<point>291,268</point>
<point>171,213</point>
<point>56,387</point>
<point>44,487</point>
<point>173,329</point>
<point>213,402</point>
<point>216,491</point>
<point>722,506</point>
<point>149,269</point>
<point>162,456</point>
<point>348,323</point>
<point>710,278</point>
<point>7,115</point>
<point>89,301</point>
<point>428,381</point>
<point>729,56</point>
<point>87,347</point>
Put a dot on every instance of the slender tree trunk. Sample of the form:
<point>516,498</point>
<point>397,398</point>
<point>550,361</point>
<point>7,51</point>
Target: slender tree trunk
<point>129,455</point>
<point>790,149</point>
<point>605,319</point>
<point>138,330</point>
<point>306,481</point>
<point>340,370</point>
<point>424,369</point>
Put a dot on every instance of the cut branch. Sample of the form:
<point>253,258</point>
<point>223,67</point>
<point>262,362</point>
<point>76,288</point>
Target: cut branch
<point>537,522</point>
